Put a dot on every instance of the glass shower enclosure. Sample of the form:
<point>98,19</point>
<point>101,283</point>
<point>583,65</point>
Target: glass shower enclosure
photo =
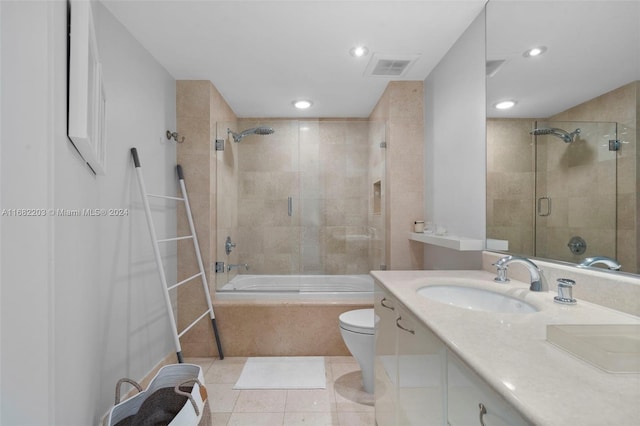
<point>575,212</point>
<point>306,200</point>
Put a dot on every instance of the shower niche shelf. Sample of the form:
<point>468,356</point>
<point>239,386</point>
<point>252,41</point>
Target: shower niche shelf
<point>449,241</point>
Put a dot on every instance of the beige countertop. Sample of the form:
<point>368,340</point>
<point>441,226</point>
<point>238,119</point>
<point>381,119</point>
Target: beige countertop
<point>546,384</point>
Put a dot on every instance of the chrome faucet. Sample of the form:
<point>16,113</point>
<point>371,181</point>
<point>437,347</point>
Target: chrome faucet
<point>231,266</point>
<point>612,264</point>
<point>536,274</point>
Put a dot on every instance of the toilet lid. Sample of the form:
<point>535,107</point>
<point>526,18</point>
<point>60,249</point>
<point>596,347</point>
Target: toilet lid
<point>358,321</point>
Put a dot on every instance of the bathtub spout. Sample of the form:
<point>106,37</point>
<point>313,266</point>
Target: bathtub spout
<point>231,266</point>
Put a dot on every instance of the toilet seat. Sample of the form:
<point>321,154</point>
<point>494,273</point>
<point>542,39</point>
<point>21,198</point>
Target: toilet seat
<point>358,321</point>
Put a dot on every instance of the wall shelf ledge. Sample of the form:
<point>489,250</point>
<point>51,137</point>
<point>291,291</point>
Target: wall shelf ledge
<point>449,241</point>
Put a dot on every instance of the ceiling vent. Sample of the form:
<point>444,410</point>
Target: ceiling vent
<point>389,65</point>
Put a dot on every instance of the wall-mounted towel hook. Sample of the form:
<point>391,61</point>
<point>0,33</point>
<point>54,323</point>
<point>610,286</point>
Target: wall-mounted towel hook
<point>175,136</point>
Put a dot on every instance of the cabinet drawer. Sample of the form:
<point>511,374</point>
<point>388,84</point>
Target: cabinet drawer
<point>466,391</point>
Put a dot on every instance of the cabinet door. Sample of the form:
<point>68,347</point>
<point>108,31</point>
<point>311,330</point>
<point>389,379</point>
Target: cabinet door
<point>466,391</point>
<point>421,373</point>
<point>386,362</point>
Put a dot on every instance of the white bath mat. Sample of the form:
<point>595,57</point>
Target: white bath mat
<point>298,372</point>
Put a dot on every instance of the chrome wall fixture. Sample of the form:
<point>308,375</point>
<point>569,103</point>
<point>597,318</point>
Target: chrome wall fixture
<point>577,245</point>
<point>562,134</point>
<point>228,245</point>
<point>175,136</point>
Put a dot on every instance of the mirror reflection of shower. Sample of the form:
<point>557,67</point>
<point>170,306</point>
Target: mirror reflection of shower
<point>581,181</point>
<point>542,192</point>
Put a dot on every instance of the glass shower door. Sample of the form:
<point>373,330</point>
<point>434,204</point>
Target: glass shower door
<point>342,197</point>
<point>575,205</point>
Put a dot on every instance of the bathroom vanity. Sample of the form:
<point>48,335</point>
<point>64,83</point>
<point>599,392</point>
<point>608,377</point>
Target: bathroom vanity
<point>439,364</point>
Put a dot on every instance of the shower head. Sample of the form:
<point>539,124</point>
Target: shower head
<point>562,134</point>
<point>237,137</point>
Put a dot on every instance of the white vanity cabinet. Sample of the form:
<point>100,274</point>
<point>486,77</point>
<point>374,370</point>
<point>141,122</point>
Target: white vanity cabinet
<point>410,367</point>
<point>418,381</point>
<point>470,401</point>
<point>421,372</point>
<point>385,362</point>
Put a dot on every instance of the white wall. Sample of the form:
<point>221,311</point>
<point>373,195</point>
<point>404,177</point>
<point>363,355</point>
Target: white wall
<point>80,300</point>
<point>26,167</point>
<point>455,153</point>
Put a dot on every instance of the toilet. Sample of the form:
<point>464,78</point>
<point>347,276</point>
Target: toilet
<point>357,328</point>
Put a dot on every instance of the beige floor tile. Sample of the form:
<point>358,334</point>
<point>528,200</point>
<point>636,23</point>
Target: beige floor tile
<point>222,397</point>
<point>256,419</point>
<point>225,371</point>
<point>350,395</point>
<point>261,401</point>
<point>341,368</point>
<point>343,402</point>
<point>311,419</point>
<point>357,419</point>
<point>220,419</point>
<point>204,363</point>
<point>310,400</point>
<point>341,359</point>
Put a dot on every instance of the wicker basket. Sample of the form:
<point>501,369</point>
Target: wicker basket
<point>176,396</point>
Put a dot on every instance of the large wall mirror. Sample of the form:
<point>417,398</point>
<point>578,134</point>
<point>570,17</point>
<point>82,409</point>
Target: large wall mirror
<point>562,163</point>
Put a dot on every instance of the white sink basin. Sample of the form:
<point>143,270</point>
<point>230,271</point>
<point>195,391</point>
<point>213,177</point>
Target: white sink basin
<point>476,299</point>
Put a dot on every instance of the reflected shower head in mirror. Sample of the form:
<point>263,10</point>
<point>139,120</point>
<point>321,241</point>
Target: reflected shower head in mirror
<point>562,134</point>
<point>237,137</point>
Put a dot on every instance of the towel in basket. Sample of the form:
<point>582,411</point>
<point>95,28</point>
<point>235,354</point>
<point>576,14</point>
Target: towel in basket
<point>176,396</point>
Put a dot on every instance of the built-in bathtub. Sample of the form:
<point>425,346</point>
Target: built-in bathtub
<point>279,315</point>
<point>298,287</point>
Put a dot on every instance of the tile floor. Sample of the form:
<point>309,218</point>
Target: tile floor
<point>342,403</point>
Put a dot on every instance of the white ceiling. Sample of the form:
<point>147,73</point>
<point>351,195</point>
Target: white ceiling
<point>261,55</point>
<point>593,48</point>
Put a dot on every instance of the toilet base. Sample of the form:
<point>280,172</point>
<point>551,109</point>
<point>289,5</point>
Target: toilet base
<point>362,347</point>
<point>367,381</point>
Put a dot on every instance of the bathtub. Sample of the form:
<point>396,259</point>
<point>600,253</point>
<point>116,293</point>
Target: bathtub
<point>298,287</point>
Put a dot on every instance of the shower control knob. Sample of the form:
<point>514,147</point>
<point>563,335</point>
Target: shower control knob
<point>228,246</point>
<point>577,245</point>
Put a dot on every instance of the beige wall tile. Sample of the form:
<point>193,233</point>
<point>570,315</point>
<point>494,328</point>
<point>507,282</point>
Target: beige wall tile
<point>401,108</point>
<point>192,99</point>
<point>263,328</point>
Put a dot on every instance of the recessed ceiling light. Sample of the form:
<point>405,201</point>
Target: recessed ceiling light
<point>358,51</point>
<point>302,104</point>
<point>534,51</point>
<point>505,104</point>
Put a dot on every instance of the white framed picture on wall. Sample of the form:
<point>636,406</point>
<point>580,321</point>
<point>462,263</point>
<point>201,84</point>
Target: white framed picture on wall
<point>86,96</point>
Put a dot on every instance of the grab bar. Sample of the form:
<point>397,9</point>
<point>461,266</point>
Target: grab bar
<point>290,206</point>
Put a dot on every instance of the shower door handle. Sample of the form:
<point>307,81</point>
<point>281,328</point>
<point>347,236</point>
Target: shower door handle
<point>548,209</point>
<point>290,206</point>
